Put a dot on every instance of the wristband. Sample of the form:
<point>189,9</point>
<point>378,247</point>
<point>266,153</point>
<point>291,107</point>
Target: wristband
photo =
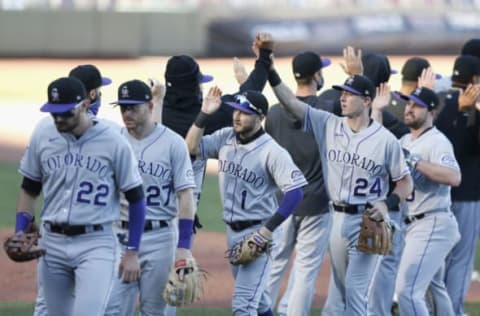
<point>185,229</point>
<point>274,78</point>
<point>201,120</point>
<point>23,219</point>
<point>392,201</point>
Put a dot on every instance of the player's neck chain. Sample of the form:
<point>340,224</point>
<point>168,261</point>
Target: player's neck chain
<point>251,138</point>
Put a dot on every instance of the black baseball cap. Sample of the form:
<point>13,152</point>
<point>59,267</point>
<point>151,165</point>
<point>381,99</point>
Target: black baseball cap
<point>250,102</point>
<point>359,85</point>
<point>306,64</point>
<point>376,67</point>
<point>472,47</point>
<point>183,70</point>
<point>465,68</point>
<point>422,96</point>
<point>133,92</point>
<point>413,67</point>
<point>90,76</point>
<point>64,94</point>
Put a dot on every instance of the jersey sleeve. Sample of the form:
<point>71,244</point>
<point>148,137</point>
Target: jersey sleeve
<point>397,167</point>
<point>181,165</point>
<point>442,153</point>
<point>314,122</point>
<point>283,170</point>
<point>30,165</point>
<point>125,166</point>
<point>210,144</point>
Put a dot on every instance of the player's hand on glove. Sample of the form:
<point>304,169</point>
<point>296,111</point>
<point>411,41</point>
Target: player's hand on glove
<point>212,101</point>
<point>469,97</point>
<point>184,285</point>
<point>375,236</point>
<point>129,269</point>
<point>250,247</point>
<point>378,211</point>
<point>239,70</point>
<point>23,245</point>
<point>353,61</point>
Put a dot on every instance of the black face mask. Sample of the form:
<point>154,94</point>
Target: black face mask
<point>319,83</point>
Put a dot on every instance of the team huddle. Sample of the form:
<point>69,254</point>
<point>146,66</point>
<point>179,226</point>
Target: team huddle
<point>386,181</point>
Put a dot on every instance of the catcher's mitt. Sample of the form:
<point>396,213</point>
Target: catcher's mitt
<point>22,246</point>
<point>249,248</point>
<point>374,236</point>
<point>184,284</point>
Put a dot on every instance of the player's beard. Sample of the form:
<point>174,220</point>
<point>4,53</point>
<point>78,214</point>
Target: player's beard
<point>69,124</point>
<point>244,130</point>
<point>414,122</point>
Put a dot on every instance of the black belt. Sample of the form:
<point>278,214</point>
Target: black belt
<point>411,219</point>
<point>349,208</point>
<point>241,225</point>
<point>149,225</point>
<point>72,230</point>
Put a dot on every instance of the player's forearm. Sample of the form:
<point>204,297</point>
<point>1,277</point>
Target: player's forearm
<point>193,139</point>
<point>186,204</point>
<point>287,98</point>
<point>439,174</point>
<point>403,187</point>
<point>26,202</point>
<point>289,203</point>
<point>377,115</point>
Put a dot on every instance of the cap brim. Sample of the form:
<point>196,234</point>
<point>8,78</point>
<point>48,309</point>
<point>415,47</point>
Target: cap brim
<point>393,71</point>
<point>239,107</point>
<point>106,81</point>
<point>347,88</point>
<point>205,78</point>
<point>128,102</point>
<point>57,108</point>
<point>438,76</point>
<point>413,98</point>
<point>326,62</point>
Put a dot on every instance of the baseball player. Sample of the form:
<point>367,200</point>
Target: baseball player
<point>358,158</point>
<point>80,165</point>
<point>92,79</point>
<point>308,229</point>
<point>251,167</point>
<point>431,230</point>
<point>166,170</point>
<point>460,122</point>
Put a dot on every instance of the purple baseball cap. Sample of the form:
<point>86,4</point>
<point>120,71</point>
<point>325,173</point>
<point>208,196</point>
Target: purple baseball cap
<point>424,97</point>
<point>359,85</point>
<point>250,102</point>
<point>90,76</point>
<point>64,94</point>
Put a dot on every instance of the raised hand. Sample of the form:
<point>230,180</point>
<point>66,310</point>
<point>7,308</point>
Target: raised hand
<point>262,41</point>
<point>239,71</point>
<point>469,98</point>
<point>353,61</point>
<point>158,89</point>
<point>382,97</point>
<point>427,78</point>
<point>212,101</point>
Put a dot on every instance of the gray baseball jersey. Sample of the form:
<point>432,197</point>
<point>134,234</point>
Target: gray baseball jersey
<point>433,147</point>
<point>165,167</point>
<point>356,166</point>
<point>250,174</point>
<point>80,177</point>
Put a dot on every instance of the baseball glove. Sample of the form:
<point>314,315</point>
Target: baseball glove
<point>22,246</point>
<point>184,284</point>
<point>249,248</point>
<point>374,236</point>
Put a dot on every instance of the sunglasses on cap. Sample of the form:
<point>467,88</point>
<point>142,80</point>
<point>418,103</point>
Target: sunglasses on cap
<point>68,114</point>
<point>244,103</point>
